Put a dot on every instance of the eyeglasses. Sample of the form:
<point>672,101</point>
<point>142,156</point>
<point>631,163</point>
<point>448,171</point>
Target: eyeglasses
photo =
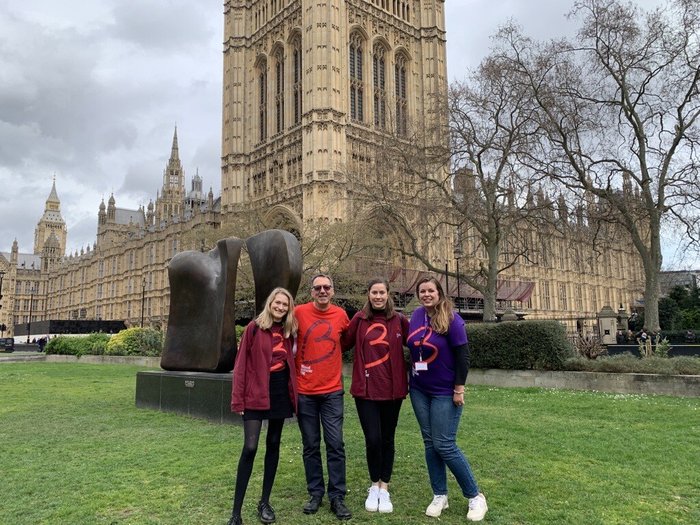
<point>324,287</point>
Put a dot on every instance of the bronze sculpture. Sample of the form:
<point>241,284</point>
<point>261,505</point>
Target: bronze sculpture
<point>201,333</point>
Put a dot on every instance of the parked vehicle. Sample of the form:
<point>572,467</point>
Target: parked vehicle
<point>7,344</point>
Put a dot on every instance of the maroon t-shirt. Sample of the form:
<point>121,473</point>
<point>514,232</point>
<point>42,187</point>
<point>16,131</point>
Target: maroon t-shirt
<point>379,369</point>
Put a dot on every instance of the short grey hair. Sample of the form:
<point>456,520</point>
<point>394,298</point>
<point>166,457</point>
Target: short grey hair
<point>321,275</point>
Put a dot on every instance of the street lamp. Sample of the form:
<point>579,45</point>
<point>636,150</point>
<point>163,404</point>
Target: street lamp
<point>143,298</point>
<point>2,325</point>
<point>2,275</point>
<point>31,307</point>
<point>458,255</point>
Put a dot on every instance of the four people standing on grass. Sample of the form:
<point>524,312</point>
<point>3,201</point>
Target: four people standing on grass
<point>440,354</point>
<point>269,384</point>
<point>379,384</point>
<point>264,388</point>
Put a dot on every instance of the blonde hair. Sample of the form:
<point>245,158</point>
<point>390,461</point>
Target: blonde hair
<point>444,314</point>
<point>265,319</point>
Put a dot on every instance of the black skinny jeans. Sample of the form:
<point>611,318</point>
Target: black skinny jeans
<point>379,420</point>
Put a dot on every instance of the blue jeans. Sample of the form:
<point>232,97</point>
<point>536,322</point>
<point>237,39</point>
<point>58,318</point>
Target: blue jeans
<point>314,412</point>
<point>438,419</point>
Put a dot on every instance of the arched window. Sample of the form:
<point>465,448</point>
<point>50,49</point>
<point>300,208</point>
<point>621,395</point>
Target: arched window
<point>356,80</point>
<point>279,91</point>
<point>262,102</point>
<point>379,78</point>
<point>296,45</point>
<point>401,94</point>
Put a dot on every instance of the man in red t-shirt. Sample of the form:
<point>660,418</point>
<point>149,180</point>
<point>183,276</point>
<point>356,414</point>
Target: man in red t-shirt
<point>319,365</point>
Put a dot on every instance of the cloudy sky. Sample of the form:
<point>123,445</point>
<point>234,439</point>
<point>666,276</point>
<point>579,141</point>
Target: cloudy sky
<point>90,92</point>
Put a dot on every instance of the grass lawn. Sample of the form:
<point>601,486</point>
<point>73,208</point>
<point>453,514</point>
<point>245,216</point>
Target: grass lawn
<point>75,450</point>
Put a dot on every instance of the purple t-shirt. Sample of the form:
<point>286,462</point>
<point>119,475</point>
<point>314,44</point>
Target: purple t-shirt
<point>436,351</point>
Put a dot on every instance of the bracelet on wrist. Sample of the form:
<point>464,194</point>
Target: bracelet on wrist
<point>458,391</point>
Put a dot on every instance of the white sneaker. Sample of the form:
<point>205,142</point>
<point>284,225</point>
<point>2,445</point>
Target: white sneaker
<point>372,501</point>
<point>436,507</point>
<point>385,504</point>
<point>477,508</point>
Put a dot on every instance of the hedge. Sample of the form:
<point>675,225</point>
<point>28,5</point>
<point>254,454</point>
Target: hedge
<point>93,344</point>
<point>677,337</point>
<point>519,345</point>
<point>627,363</point>
<point>136,341</point>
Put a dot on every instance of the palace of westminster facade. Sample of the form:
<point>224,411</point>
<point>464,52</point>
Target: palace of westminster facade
<point>309,89</point>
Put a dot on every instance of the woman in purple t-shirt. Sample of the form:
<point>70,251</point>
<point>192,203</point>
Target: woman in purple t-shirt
<point>440,356</point>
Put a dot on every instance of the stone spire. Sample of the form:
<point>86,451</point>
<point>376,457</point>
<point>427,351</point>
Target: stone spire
<point>53,196</point>
<point>102,214</point>
<point>171,201</point>
<point>51,223</point>
<point>111,209</point>
<point>175,150</point>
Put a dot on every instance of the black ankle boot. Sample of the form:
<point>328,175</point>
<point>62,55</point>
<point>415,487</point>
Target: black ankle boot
<point>235,520</point>
<point>265,512</point>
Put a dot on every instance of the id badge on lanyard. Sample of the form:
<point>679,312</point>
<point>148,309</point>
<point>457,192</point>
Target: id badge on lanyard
<point>420,365</point>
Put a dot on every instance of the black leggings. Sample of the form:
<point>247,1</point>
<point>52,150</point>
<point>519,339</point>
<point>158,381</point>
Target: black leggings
<point>251,436</point>
<point>379,420</point>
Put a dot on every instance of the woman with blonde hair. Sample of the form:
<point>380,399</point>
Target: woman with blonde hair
<point>264,388</point>
<point>439,349</point>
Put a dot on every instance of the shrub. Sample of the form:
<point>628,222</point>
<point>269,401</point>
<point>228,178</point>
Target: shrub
<point>93,344</point>
<point>136,341</point>
<point>678,337</point>
<point>662,348</point>
<point>523,345</point>
<point>686,365</point>
<point>628,363</point>
<point>589,346</point>
<point>60,345</point>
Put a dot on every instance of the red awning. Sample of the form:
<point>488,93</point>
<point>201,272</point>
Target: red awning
<point>404,281</point>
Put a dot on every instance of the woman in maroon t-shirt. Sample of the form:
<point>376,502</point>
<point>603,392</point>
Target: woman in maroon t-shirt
<point>379,384</point>
<point>264,388</point>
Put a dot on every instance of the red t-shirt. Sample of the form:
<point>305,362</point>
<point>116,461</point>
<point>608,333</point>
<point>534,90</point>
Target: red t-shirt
<point>279,350</point>
<point>319,359</point>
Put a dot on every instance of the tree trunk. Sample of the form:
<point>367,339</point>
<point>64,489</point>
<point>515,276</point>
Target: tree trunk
<point>651,295</point>
<point>491,281</point>
<point>651,260</point>
<point>489,308</point>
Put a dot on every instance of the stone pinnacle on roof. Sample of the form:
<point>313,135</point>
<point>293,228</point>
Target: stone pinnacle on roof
<point>53,196</point>
<point>175,151</point>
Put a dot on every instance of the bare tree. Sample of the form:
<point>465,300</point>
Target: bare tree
<point>467,189</point>
<point>618,110</point>
<point>491,122</point>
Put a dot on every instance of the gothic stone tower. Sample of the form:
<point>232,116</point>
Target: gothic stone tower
<point>170,202</point>
<point>308,84</point>
<point>51,226</point>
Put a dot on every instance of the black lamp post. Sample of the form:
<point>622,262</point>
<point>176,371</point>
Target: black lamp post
<point>447,282</point>
<point>2,275</point>
<point>31,309</point>
<point>143,298</point>
<point>459,291</point>
<point>2,326</point>
<point>458,255</point>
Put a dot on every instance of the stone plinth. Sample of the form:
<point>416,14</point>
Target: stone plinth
<point>197,394</point>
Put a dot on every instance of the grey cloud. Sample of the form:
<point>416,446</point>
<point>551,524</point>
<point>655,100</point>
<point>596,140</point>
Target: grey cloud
<point>178,25</point>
